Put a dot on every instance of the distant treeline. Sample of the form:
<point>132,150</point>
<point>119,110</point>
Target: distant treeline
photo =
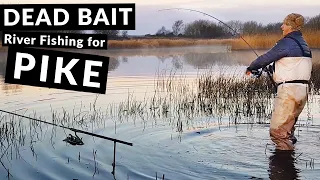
<point>207,29</point>
<point>211,29</point>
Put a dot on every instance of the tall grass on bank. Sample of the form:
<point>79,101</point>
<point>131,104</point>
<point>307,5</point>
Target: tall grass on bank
<point>261,41</point>
<point>268,40</point>
<point>312,38</point>
<point>315,78</point>
<point>158,43</point>
<point>255,41</point>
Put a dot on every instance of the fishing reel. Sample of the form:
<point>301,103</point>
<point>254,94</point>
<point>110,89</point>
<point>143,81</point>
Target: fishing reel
<point>254,73</point>
<point>74,140</point>
<point>257,73</point>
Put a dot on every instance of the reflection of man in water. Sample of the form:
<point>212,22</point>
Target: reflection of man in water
<point>282,166</point>
<point>291,71</point>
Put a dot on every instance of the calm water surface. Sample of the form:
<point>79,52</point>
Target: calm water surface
<point>206,147</point>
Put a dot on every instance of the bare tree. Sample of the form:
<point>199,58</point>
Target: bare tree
<point>252,28</point>
<point>236,26</point>
<point>177,27</point>
<point>204,29</point>
<point>124,33</point>
<point>162,31</point>
<point>273,28</point>
<point>313,23</point>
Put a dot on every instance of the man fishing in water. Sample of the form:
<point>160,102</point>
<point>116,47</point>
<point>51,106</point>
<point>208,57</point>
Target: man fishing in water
<point>292,65</point>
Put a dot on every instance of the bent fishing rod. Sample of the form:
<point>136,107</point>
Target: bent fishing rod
<point>72,129</point>
<point>265,69</point>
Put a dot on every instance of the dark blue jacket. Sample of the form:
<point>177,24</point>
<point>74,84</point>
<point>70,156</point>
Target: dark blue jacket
<point>286,47</point>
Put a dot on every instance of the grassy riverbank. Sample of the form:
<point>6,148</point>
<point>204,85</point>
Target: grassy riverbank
<point>255,41</point>
<point>268,41</point>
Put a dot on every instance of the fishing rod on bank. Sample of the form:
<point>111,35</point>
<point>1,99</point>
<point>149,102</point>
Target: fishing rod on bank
<point>75,140</point>
<point>72,129</point>
<point>266,69</point>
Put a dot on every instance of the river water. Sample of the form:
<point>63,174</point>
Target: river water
<point>172,145</point>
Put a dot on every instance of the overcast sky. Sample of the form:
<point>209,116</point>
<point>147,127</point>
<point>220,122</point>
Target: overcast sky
<point>149,19</point>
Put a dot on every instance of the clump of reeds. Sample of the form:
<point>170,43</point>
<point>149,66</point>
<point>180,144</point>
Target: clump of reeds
<point>315,78</point>
<point>214,96</point>
<point>235,97</point>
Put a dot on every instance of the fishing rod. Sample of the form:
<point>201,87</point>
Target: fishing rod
<point>72,129</point>
<point>265,69</point>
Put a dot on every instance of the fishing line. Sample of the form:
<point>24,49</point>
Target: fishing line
<point>217,20</point>
<point>265,69</point>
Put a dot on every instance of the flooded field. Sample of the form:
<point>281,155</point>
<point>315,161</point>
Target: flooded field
<point>190,113</point>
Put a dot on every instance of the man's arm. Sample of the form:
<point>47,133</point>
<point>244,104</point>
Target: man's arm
<point>279,51</point>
